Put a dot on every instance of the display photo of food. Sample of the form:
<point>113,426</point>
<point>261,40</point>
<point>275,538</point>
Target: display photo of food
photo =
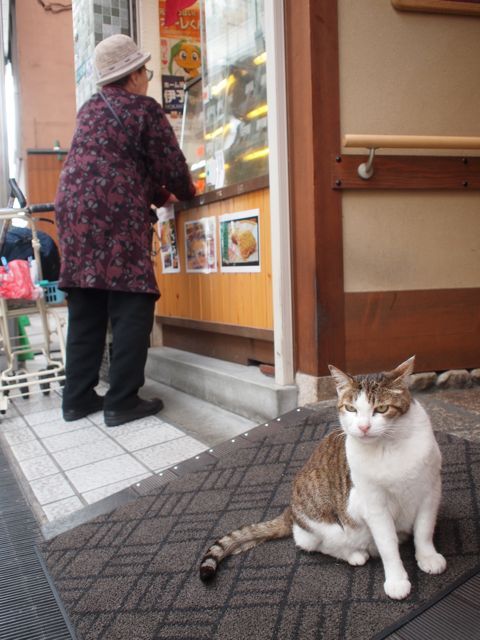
<point>168,245</point>
<point>239,239</point>
<point>200,245</point>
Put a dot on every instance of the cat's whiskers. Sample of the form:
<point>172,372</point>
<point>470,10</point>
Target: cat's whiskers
<point>390,434</point>
<point>401,429</point>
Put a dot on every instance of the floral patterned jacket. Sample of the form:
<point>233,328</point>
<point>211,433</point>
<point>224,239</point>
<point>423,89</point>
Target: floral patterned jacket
<point>108,182</point>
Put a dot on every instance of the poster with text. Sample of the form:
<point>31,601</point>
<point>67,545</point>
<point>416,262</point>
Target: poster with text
<point>239,241</point>
<point>201,245</point>
<point>181,58</point>
<point>167,232</point>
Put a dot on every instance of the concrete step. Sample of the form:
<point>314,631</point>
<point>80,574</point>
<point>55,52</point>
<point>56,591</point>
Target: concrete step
<point>240,389</point>
<point>197,418</point>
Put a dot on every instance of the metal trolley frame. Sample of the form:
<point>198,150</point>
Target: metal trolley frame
<point>16,381</point>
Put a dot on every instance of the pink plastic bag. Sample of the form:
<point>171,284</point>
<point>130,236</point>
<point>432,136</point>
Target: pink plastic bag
<point>16,282</point>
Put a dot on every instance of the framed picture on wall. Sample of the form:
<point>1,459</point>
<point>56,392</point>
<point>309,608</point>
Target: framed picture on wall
<point>239,241</point>
<point>465,7</point>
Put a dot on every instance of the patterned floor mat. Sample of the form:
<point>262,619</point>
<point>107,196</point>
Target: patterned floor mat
<point>133,573</point>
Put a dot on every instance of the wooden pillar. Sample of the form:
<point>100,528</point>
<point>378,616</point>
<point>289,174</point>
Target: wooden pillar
<point>314,140</point>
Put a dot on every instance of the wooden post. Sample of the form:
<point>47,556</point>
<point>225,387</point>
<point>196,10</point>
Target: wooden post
<point>314,138</point>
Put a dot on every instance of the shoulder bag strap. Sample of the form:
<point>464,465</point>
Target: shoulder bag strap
<point>136,152</point>
<point>112,110</point>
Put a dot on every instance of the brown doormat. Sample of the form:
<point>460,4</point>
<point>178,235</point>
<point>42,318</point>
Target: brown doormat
<point>133,573</point>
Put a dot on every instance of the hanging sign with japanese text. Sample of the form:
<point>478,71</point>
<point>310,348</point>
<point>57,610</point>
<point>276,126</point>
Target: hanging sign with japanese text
<point>181,55</point>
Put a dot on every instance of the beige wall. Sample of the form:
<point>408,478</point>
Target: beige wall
<point>149,40</point>
<point>398,241</point>
<point>409,73</point>
<point>46,76</point>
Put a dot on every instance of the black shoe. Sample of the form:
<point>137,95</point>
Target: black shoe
<point>96,404</point>
<point>143,409</point>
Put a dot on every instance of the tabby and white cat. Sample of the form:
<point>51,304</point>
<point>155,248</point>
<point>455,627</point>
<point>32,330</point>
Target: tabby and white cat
<point>361,494</point>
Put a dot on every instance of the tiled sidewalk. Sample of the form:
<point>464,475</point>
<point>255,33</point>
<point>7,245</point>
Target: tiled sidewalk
<point>65,466</point>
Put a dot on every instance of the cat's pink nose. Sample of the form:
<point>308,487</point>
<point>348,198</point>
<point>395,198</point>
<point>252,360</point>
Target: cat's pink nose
<point>364,427</point>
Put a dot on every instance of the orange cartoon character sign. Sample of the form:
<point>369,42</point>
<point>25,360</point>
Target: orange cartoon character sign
<point>187,56</point>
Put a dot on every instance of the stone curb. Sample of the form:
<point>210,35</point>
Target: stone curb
<point>452,379</point>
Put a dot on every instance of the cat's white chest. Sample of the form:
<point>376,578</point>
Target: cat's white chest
<point>388,466</point>
<point>394,473</point>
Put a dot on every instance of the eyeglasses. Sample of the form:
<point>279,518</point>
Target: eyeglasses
<point>149,74</point>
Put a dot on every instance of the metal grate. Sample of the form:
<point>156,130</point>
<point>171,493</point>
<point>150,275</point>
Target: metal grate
<point>455,615</point>
<point>29,609</point>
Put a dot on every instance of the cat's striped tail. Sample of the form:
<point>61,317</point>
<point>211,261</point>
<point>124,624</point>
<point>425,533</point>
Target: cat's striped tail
<point>243,539</point>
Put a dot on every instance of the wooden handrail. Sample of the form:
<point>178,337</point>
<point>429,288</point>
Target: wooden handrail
<point>374,142</point>
<point>367,141</point>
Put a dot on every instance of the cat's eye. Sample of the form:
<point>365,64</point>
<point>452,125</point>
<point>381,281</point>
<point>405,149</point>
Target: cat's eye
<point>350,407</point>
<point>382,408</point>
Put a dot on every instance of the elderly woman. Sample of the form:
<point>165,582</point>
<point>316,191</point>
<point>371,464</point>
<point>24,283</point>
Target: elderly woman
<point>124,157</point>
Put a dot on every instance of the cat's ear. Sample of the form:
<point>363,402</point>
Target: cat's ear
<point>342,380</point>
<point>403,370</point>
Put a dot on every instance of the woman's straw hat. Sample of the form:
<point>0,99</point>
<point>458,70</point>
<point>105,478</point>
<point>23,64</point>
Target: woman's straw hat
<point>117,56</point>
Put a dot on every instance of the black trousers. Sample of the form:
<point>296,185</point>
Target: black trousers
<point>131,319</point>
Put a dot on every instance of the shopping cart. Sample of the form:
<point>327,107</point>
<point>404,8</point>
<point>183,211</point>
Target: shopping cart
<point>15,379</point>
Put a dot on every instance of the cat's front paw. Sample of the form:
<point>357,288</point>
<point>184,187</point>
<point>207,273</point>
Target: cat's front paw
<point>397,589</point>
<point>358,558</point>
<point>434,563</point>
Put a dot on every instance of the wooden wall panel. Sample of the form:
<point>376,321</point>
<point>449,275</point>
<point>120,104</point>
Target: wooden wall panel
<point>407,172</point>
<point>233,298</point>
<point>233,348</point>
<point>43,171</point>
<point>441,327</point>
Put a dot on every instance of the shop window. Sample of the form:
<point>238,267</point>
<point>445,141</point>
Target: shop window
<point>224,130</point>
